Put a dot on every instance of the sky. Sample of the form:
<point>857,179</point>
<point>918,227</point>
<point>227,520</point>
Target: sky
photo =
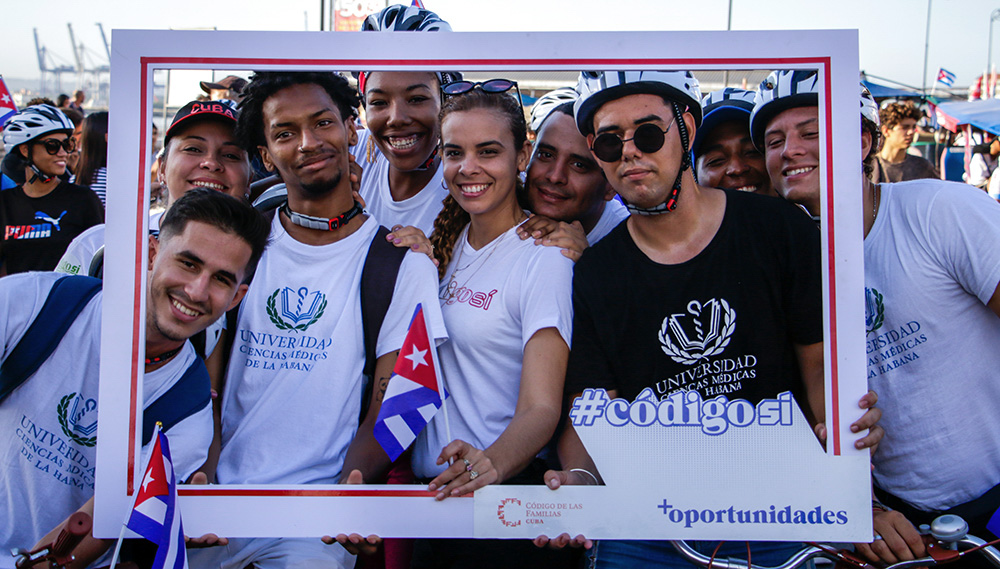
<point>891,32</point>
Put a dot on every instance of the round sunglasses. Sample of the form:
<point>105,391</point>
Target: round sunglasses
<point>52,145</point>
<point>648,138</point>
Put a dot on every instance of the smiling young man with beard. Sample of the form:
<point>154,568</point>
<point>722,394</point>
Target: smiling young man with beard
<point>199,267</point>
<point>295,388</point>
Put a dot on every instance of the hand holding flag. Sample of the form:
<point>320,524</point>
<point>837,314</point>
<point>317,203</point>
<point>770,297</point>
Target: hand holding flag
<point>155,515</point>
<point>415,391</point>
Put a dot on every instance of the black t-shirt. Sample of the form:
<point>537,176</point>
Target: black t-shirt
<point>722,323</point>
<point>911,168</point>
<point>36,231</point>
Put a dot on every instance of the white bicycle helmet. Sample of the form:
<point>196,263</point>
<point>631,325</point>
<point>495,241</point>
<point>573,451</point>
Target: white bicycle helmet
<point>544,105</point>
<point>724,105</point>
<point>679,87</point>
<point>399,18</point>
<point>587,83</point>
<point>869,108</point>
<point>27,125</point>
<point>33,122</point>
<point>782,90</point>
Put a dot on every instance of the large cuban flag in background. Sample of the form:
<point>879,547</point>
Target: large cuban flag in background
<point>414,393</point>
<point>155,515</point>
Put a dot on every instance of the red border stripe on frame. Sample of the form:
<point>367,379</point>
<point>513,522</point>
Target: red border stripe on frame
<point>609,63</point>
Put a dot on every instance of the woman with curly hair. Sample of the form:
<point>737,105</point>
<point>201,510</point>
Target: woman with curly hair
<point>507,307</point>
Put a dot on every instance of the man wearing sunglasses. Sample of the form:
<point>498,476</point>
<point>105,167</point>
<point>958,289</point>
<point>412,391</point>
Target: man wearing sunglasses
<point>645,297</point>
<point>42,216</point>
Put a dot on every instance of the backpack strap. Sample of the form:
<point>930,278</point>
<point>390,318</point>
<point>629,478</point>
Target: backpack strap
<point>378,280</point>
<point>191,393</point>
<point>68,297</point>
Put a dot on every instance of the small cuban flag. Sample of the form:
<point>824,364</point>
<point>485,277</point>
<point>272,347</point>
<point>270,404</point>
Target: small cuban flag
<point>945,77</point>
<point>414,392</point>
<point>155,515</point>
<point>7,107</point>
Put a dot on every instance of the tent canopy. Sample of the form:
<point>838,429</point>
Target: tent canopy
<point>983,114</point>
<point>884,92</point>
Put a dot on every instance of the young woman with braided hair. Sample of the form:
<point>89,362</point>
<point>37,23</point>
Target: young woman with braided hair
<point>507,307</point>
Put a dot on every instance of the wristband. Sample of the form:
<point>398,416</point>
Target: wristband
<point>876,505</point>
<point>588,473</point>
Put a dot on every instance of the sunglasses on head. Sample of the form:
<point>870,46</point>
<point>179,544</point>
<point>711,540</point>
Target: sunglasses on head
<point>52,145</point>
<point>491,86</point>
<point>648,138</point>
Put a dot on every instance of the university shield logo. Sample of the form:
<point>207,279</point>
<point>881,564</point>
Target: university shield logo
<point>874,310</point>
<point>701,332</point>
<point>78,419</point>
<point>299,309</point>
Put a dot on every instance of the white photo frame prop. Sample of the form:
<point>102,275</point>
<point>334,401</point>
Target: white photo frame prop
<point>788,486</point>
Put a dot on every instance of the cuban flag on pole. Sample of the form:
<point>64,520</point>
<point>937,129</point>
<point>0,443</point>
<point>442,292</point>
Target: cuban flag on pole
<point>417,4</point>
<point>945,77</point>
<point>414,392</point>
<point>155,515</point>
<point>7,107</point>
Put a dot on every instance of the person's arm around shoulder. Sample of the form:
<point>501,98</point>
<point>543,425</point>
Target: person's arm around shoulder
<point>570,238</point>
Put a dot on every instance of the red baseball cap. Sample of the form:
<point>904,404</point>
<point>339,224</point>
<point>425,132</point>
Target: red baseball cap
<point>197,110</point>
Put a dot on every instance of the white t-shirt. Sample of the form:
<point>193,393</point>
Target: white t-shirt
<point>293,391</point>
<point>931,265</point>
<point>613,214</point>
<point>49,423</point>
<point>419,211</point>
<point>504,293</point>
<point>76,260</point>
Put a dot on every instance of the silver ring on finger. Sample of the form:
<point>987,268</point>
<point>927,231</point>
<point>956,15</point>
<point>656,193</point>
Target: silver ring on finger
<point>468,465</point>
<point>877,537</point>
<point>473,475</point>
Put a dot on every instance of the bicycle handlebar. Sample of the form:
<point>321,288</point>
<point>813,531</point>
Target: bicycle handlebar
<point>60,551</point>
<point>948,540</point>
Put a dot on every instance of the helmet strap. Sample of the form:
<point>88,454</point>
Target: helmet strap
<point>38,174</point>
<point>671,202</point>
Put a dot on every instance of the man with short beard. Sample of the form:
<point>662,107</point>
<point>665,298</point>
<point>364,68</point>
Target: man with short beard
<point>299,344</point>
<point>570,199</point>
